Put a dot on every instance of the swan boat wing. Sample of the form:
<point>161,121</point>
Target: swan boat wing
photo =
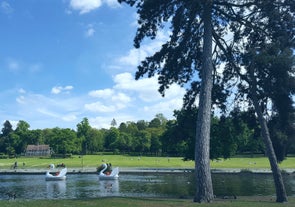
<point>113,176</point>
<point>59,176</point>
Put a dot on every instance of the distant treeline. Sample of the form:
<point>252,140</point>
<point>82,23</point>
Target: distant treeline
<point>236,133</point>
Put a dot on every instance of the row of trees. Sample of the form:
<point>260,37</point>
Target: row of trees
<point>237,133</point>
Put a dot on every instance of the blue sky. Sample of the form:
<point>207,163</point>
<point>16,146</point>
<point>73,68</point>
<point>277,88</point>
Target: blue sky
<point>63,60</point>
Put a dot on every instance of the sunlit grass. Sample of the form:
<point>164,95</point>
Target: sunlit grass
<point>95,160</point>
<point>255,201</point>
<point>251,163</point>
<point>92,161</point>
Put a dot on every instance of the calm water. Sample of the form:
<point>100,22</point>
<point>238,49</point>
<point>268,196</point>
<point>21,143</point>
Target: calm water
<point>143,185</point>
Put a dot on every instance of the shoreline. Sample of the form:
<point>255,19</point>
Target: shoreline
<point>134,170</point>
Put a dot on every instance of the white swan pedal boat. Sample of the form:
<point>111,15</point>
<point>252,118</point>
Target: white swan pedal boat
<point>112,176</point>
<point>57,176</point>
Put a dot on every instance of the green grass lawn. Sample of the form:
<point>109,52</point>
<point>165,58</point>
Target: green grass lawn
<point>90,161</point>
<point>149,202</point>
<point>96,160</point>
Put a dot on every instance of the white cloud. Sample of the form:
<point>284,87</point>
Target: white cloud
<point>16,65</point>
<point>60,89</point>
<point>165,107</point>
<point>110,101</point>
<point>90,31</point>
<point>20,99</point>
<point>85,6</point>
<point>13,65</point>
<point>6,7</point>
<point>105,93</point>
<point>36,67</point>
<point>61,111</point>
<point>47,112</point>
<point>124,102</point>
<point>112,3</point>
<point>21,90</point>
<point>134,56</point>
<point>101,122</point>
<point>146,88</point>
<point>69,117</point>
<point>100,107</point>
<point>56,90</point>
<point>121,98</point>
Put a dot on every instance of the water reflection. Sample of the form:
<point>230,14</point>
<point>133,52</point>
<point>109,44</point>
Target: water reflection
<point>141,185</point>
<point>56,189</point>
<point>109,188</point>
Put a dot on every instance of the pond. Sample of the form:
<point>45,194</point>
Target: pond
<point>173,185</point>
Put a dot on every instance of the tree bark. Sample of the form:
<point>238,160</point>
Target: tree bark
<point>277,175</point>
<point>204,188</point>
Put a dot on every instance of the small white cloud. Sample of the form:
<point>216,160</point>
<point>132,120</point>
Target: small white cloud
<point>85,6</point>
<point>60,89</point>
<point>110,101</point>
<point>165,107</point>
<point>13,66</point>
<point>47,112</point>
<point>35,67</point>
<point>133,58</point>
<point>20,100</point>
<point>105,93</point>
<point>121,98</point>
<point>56,90</point>
<point>68,88</point>
<point>21,90</point>
<point>69,117</point>
<point>147,88</point>
<point>99,107</point>
<point>5,7</point>
<point>112,3</point>
<point>19,66</point>
<point>90,32</point>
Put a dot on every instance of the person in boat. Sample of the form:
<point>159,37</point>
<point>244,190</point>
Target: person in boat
<point>108,171</point>
<point>61,165</point>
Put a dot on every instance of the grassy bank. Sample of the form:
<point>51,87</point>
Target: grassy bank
<point>147,202</point>
<point>149,162</point>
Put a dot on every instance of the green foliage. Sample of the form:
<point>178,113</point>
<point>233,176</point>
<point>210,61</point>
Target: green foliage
<point>110,138</point>
<point>237,133</point>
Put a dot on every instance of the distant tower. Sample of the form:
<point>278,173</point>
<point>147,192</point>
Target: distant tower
<point>113,123</point>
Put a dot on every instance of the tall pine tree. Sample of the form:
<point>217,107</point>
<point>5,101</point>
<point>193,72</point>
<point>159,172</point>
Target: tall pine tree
<point>189,55</point>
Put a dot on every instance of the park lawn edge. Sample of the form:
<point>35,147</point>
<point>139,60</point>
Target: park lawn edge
<point>253,201</point>
<point>126,161</point>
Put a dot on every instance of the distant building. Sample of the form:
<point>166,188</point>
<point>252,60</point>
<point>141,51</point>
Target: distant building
<point>38,150</point>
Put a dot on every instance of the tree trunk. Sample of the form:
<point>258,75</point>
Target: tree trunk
<point>204,188</point>
<point>277,175</point>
